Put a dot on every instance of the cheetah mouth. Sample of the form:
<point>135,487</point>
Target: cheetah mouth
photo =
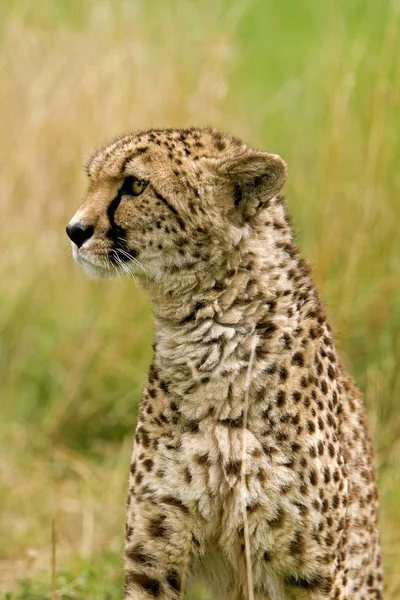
<point>95,267</point>
<point>116,263</point>
<point>95,271</point>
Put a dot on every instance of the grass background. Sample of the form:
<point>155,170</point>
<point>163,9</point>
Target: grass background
<point>319,83</point>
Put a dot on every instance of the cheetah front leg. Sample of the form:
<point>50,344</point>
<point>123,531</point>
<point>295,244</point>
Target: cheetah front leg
<point>158,548</point>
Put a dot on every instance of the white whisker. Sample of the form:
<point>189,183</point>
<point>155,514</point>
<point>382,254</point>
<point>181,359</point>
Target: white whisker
<point>125,268</point>
<point>132,258</point>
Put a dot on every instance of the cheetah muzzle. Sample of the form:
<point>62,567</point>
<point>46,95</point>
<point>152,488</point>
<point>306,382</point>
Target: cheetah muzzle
<point>252,465</point>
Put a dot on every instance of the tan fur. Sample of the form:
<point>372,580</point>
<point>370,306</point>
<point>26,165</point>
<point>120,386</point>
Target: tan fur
<point>289,449</point>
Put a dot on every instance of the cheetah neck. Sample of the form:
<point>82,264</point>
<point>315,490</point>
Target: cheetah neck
<point>207,323</point>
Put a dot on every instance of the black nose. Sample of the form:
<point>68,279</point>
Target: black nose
<point>79,233</point>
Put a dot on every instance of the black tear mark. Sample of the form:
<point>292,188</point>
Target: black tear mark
<point>116,233</point>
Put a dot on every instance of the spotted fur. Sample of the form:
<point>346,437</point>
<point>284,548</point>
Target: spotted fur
<point>278,446</point>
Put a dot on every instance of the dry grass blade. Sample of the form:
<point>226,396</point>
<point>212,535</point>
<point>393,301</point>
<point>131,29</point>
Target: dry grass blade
<point>54,593</point>
<point>249,574</point>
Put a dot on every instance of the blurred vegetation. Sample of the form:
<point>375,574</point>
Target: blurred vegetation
<point>319,83</point>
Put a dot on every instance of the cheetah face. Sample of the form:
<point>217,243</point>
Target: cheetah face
<point>166,199</point>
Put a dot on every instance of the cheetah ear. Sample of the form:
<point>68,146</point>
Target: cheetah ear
<point>256,176</point>
<point>261,170</point>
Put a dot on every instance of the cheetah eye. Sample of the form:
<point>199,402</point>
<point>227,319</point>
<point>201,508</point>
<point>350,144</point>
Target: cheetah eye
<point>138,187</point>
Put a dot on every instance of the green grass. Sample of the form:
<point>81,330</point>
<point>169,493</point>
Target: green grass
<point>316,82</point>
<point>98,579</point>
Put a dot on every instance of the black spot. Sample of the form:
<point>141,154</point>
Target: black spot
<point>218,142</point>
<point>233,467</point>
<point>137,554</point>
<point>203,459</point>
<point>304,382</point>
<point>297,545</point>
<point>192,426</point>
<point>303,510</point>
<point>320,367</point>
<point>267,328</point>
<point>296,396</point>
<point>287,340</point>
<point>234,423</point>
<point>251,508</point>
<point>181,223</point>
<point>311,582</point>
<point>144,437</point>
<point>174,580</point>
<point>157,527</point>
<point>277,521</point>
<point>280,398</point>
<point>283,373</point>
<point>237,194</point>
<point>190,317</point>
<point>174,502</point>
<point>325,506</point>
<point>298,359</point>
<point>150,585</point>
<point>163,386</point>
<point>271,369</point>
<point>311,426</point>
<point>331,372</point>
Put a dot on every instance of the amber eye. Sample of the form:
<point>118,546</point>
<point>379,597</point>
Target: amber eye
<point>138,187</point>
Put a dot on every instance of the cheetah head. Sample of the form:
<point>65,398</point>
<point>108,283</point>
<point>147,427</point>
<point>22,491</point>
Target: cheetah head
<point>166,199</point>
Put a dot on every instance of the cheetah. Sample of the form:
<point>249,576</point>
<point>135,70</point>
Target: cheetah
<point>252,464</point>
